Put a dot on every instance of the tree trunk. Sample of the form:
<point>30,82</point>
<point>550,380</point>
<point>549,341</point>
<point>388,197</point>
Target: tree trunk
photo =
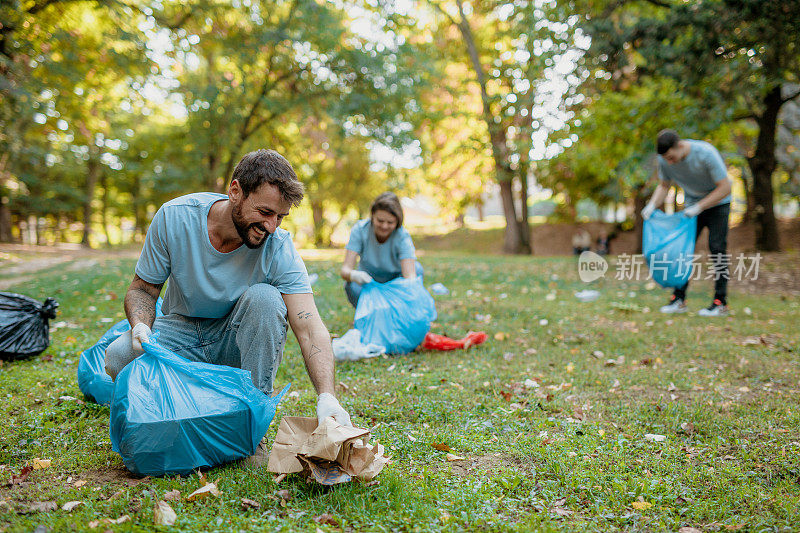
<point>524,224</point>
<point>748,195</point>
<point>762,165</point>
<point>5,212</point>
<point>321,238</point>
<point>104,207</point>
<point>93,170</point>
<point>513,241</point>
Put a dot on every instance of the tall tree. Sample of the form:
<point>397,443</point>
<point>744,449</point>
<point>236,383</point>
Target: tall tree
<point>509,48</point>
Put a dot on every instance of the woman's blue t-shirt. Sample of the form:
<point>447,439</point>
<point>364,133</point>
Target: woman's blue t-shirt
<point>380,259</point>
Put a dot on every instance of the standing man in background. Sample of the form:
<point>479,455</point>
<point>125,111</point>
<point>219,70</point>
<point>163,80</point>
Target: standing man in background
<point>698,168</point>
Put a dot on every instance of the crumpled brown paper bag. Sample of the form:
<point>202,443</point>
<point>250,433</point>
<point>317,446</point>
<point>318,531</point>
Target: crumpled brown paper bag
<point>328,453</point>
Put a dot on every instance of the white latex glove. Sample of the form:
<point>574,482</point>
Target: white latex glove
<point>693,210</point>
<point>328,405</point>
<point>647,212</point>
<point>360,277</point>
<point>139,334</point>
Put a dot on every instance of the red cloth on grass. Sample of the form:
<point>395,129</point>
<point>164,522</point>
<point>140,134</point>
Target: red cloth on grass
<point>440,342</point>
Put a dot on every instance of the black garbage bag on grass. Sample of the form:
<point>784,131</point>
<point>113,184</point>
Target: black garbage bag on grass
<point>24,329</point>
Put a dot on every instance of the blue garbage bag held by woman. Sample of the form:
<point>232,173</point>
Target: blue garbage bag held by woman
<point>396,314</point>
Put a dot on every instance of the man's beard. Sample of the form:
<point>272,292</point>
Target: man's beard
<point>243,229</point>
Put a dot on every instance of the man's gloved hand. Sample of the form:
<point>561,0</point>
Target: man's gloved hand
<point>647,212</point>
<point>360,277</point>
<point>139,334</point>
<point>328,405</point>
<point>693,210</point>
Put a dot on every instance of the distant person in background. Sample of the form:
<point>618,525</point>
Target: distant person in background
<point>603,242</point>
<point>698,168</point>
<point>581,242</point>
<point>383,247</point>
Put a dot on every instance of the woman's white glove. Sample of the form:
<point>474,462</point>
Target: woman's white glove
<point>328,405</point>
<point>693,210</point>
<point>139,334</point>
<point>360,277</point>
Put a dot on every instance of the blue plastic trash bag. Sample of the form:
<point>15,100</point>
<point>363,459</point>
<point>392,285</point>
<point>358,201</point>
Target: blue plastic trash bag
<point>668,246</point>
<point>396,314</point>
<point>172,416</point>
<point>93,381</point>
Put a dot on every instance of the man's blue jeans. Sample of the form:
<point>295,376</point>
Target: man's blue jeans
<point>353,290</point>
<point>251,337</point>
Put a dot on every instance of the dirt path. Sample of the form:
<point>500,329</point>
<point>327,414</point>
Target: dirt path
<point>20,263</point>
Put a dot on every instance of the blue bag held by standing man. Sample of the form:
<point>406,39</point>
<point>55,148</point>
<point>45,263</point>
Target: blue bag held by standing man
<point>93,380</point>
<point>172,416</point>
<point>396,314</point>
<point>668,246</point>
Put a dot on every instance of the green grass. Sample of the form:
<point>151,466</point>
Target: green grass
<point>575,444</point>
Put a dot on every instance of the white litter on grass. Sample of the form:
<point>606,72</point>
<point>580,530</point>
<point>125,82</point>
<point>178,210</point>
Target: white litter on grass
<point>348,347</point>
<point>543,322</point>
<point>652,437</point>
<point>439,289</point>
<point>588,295</point>
<point>550,297</point>
<point>747,311</point>
<point>530,384</point>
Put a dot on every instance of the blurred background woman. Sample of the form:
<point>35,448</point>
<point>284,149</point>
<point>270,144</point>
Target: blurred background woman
<point>383,247</point>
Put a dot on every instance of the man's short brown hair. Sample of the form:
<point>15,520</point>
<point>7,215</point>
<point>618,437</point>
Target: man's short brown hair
<point>268,166</point>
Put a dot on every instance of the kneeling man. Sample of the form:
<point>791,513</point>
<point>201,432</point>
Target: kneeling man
<point>235,282</point>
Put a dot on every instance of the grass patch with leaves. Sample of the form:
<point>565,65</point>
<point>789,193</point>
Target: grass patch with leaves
<point>551,415</point>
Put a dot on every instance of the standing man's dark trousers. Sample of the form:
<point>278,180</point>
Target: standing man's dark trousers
<point>716,220</point>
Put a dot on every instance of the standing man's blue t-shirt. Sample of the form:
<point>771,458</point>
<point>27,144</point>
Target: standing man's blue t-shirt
<point>698,173</point>
<point>380,259</point>
<point>204,282</point>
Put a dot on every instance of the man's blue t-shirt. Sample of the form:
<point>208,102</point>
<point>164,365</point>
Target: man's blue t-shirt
<point>380,259</point>
<point>204,282</point>
<point>698,173</point>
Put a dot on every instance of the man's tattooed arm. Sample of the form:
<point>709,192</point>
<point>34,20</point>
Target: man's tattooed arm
<point>140,301</point>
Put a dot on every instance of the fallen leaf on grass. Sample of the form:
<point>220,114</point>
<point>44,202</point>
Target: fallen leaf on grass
<point>441,447</point>
<point>69,506</point>
<point>22,477</point>
<point>163,514</point>
<point>122,519</point>
<point>641,506</point>
<point>500,336</point>
<point>559,502</point>
<point>172,496</point>
<point>327,519</point>
<point>687,428</point>
<point>38,464</point>
<point>284,495</point>
<point>412,438</point>
<point>279,478</point>
<point>80,483</point>
<point>454,457</point>
<point>561,512</point>
<point>249,504</point>
<point>207,489</point>
<point>689,529</point>
<point>43,507</point>
<point>655,438</point>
